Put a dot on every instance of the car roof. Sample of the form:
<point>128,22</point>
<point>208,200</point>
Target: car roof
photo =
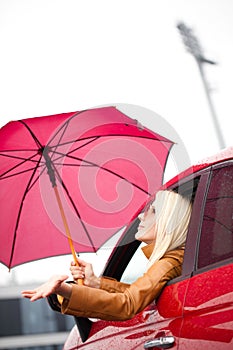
<point>223,155</point>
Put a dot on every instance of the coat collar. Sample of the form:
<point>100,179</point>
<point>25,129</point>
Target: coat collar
<point>148,249</point>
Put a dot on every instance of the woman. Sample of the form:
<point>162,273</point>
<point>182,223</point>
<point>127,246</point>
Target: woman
<point>164,228</point>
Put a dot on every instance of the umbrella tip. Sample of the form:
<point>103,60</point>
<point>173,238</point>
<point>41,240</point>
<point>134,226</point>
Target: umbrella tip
<point>139,125</point>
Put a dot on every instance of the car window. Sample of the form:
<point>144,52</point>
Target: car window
<point>216,241</point>
<point>136,267</point>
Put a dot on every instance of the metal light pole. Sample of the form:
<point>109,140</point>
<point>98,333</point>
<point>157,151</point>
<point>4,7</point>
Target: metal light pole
<point>192,45</point>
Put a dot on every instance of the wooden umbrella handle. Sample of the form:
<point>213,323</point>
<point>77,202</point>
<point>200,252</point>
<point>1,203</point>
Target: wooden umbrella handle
<point>80,280</point>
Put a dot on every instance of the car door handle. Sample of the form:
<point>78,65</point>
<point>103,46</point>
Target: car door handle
<point>161,342</point>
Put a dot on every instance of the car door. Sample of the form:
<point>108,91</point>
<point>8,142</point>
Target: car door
<point>146,326</point>
<point>208,309</point>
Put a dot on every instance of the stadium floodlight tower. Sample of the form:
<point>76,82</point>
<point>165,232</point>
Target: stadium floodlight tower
<point>193,46</point>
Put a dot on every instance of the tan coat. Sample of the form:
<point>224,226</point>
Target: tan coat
<point>120,301</point>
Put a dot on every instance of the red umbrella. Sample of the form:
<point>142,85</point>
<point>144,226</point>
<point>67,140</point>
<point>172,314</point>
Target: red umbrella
<point>99,164</point>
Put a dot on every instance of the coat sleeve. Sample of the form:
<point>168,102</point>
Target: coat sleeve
<point>99,303</point>
<point>113,286</point>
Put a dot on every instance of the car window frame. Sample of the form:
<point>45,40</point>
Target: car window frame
<point>198,270</point>
<point>194,228</point>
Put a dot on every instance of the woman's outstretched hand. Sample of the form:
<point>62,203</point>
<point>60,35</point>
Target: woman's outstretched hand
<point>84,271</point>
<point>55,285</point>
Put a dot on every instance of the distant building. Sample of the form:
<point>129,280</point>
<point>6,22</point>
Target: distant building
<point>30,326</point>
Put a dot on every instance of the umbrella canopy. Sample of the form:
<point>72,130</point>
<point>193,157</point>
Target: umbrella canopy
<point>88,170</point>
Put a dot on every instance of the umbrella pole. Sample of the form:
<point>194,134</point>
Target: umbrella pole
<point>80,281</point>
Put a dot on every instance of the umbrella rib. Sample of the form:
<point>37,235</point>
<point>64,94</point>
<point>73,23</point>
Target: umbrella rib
<point>113,135</point>
<point>15,174</point>
<point>83,145</point>
<point>32,133</point>
<point>96,165</point>
<point>88,163</point>
<point>19,214</point>
<point>23,172</point>
<point>75,208</point>
<point>89,140</point>
<point>24,160</point>
<point>64,126</point>
<point>73,165</point>
<point>63,155</point>
<point>17,150</point>
<point>36,179</point>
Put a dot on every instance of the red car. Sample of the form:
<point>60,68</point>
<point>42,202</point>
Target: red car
<point>195,310</point>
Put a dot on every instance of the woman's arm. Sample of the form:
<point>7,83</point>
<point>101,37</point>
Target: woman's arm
<point>98,303</point>
<point>55,285</point>
<point>85,271</point>
<point>94,302</point>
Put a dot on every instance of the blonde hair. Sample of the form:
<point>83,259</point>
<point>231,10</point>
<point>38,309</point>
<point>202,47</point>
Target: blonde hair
<point>172,215</point>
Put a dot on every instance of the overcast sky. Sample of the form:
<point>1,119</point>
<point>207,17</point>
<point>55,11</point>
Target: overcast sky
<point>68,55</point>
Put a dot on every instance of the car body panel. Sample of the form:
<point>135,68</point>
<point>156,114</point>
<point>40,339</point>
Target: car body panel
<point>129,334</point>
<point>208,311</point>
<point>147,325</point>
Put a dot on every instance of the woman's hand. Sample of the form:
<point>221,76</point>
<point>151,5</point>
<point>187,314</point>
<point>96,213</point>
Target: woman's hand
<point>55,285</point>
<point>84,271</point>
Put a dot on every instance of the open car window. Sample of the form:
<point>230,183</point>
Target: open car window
<point>138,262</point>
<point>136,266</point>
